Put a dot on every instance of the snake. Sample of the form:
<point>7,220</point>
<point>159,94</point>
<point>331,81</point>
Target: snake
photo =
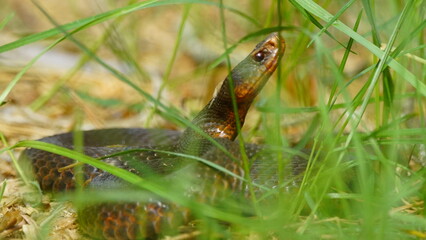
<point>218,122</point>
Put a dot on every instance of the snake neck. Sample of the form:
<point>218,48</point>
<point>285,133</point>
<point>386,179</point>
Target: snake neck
<point>217,119</point>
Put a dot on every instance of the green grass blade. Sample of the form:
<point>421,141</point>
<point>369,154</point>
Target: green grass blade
<point>18,76</point>
<point>313,20</point>
<point>129,177</point>
<point>172,60</point>
<point>6,20</point>
<point>18,168</point>
<point>3,189</point>
<point>370,15</point>
<point>401,70</point>
<point>186,156</point>
<point>46,225</point>
<point>93,20</point>
<point>163,191</point>
<point>333,97</point>
<point>40,101</point>
<point>409,38</point>
<point>335,17</point>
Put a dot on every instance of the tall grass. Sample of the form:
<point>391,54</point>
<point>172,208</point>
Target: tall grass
<point>365,177</point>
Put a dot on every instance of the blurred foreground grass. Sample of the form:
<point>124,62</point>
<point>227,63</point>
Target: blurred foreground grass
<point>351,87</point>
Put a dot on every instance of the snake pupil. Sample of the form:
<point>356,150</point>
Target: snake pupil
<point>260,56</point>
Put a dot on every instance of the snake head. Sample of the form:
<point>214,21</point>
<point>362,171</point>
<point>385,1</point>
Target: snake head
<point>268,52</point>
<point>253,72</point>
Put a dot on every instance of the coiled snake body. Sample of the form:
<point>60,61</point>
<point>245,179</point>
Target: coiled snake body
<point>150,219</point>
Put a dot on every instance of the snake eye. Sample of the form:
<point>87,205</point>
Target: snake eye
<point>261,55</point>
<point>258,57</point>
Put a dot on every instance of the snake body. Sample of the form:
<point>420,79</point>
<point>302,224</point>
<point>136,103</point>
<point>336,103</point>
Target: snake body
<point>151,219</point>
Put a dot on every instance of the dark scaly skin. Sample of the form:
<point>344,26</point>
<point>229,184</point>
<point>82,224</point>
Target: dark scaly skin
<point>46,165</point>
<point>217,119</point>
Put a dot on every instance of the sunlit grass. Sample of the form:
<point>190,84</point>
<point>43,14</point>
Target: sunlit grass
<point>364,126</point>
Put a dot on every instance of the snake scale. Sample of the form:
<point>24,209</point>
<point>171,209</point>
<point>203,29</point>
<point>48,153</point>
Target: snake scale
<point>151,219</point>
